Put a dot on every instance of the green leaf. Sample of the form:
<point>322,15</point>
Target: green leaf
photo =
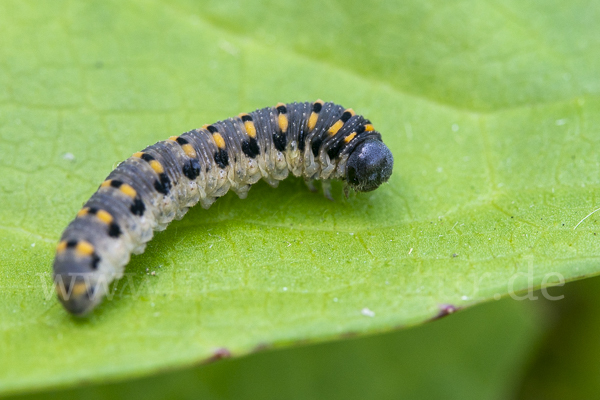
<point>491,111</point>
<point>445,360</point>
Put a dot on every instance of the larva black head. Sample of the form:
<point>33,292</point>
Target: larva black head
<point>369,165</point>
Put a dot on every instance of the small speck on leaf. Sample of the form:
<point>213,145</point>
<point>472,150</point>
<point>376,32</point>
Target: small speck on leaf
<point>367,313</point>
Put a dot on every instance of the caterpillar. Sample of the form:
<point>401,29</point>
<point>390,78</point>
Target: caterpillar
<point>318,141</point>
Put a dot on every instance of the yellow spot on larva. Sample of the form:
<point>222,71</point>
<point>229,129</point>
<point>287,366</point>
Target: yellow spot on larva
<point>314,117</point>
<point>80,288</point>
<point>104,216</point>
<point>219,140</point>
<point>157,167</point>
<point>369,128</point>
<point>61,246</point>
<point>84,248</point>
<point>174,138</point>
<point>250,129</point>
<point>128,190</point>
<point>189,150</point>
<point>205,126</point>
<point>106,183</point>
<point>83,212</point>
<point>283,122</point>
<point>312,121</point>
<point>335,128</point>
<point>139,154</point>
<point>348,138</point>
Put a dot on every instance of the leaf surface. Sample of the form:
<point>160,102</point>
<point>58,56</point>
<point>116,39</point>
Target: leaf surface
<point>491,111</point>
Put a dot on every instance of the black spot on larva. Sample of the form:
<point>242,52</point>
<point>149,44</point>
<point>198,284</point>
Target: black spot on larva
<point>316,146</point>
<point>254,146</point>
<point>159,188</point>
<point>138,207</point>
<point>250,148</point>
<point>282,110</point>
<point>165,181</point>
<point>116,183</point>
<point>146,157</point>
<point>71,244</point>
<point>114,230</point>
<point>93,210</point>
<point>212,129</point>
<point>222,158</point>
<point>334,151</point>
<point>301,141</point>
<point>181,141</point>
<point>162,184</point>
<point>95,261</point>
<point>191,169</point>
<point>317,107</point>
<point>246,117</point>
<point>280,141</point>
<point>346,116</point>
<point>360,129</point>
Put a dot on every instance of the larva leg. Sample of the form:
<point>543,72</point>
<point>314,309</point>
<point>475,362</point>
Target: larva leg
<point>207,202</point>
<point>242,191</point>
<point>310,183</point>
<point>347,190</point>
<point>326,184</point>
<point>271,181</point>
